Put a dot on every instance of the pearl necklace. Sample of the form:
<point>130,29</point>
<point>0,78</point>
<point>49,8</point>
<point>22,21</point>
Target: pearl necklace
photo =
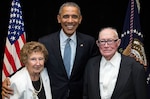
<point>36,92</point>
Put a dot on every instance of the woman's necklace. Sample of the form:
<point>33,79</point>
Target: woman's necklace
<point>36,92</point>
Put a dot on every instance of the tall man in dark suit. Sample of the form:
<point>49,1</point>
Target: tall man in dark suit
<point>83,47</point>
<point>113,75</point>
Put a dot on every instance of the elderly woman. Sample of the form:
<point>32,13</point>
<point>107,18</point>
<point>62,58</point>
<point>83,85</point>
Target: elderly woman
<point>32,81</point>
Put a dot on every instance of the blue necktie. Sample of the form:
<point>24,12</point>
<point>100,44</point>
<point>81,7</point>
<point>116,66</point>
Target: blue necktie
<point>67,56</point>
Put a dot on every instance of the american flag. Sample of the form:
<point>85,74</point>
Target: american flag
<point>14,41</point>
<point>132,37</point>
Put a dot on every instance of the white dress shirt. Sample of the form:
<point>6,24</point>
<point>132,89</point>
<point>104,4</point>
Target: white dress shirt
<point>108,75</point>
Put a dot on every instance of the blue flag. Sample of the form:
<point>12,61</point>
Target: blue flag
<point>148,78</point>
<point>132,37</point>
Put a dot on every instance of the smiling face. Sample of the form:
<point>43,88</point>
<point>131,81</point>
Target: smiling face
<point>108,42</point>
<point>33,55</point>
<point>35,63</point>
<point>69,18</point>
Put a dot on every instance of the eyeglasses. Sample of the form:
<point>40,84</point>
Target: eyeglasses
<point>109,42</point>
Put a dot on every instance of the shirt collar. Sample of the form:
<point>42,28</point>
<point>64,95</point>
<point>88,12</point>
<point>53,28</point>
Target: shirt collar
<point>63,36</point>
<point>114,60</point>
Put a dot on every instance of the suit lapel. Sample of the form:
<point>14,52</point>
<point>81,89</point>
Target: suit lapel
<point>57,52</point>
<point>123,76</point>
<point>96,77</point>
<point>79,53</point>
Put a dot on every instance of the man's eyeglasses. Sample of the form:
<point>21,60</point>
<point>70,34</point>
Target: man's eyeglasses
<point>109,42</point>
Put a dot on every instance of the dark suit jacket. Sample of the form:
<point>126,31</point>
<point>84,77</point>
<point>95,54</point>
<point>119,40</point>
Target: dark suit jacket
<point>131,81</point>
<point>62,87</point>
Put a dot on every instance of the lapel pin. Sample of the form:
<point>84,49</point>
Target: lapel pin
<point>81,45</point>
